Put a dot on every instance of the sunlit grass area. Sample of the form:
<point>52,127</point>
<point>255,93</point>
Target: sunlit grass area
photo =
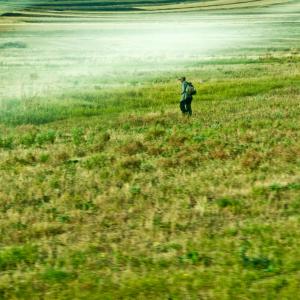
<point>45,55</point>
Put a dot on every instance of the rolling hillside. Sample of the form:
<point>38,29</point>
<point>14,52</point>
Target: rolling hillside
<point>9,6</point>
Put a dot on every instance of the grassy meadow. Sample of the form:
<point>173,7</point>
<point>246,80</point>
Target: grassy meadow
<point>108,192</point>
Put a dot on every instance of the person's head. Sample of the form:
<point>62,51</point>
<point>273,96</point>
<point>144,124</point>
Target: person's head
<point>181,79</point>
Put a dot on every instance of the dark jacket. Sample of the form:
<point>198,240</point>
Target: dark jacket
<point>184,94</point>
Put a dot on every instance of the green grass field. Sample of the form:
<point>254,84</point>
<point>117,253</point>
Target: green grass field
<point>108,192</point>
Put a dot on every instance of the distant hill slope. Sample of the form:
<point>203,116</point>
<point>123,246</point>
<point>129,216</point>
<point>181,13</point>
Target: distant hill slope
<point>79,5</point>
<point>9,6</point>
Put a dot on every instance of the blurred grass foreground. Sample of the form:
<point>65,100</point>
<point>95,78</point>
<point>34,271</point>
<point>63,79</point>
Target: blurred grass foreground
<point>108,192</point>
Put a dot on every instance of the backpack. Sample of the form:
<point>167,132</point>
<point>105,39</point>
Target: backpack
<point>190,89</point>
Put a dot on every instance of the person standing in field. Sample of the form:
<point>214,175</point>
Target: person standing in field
<point>187,92</point>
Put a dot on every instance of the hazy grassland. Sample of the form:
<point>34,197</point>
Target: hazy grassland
<point>44,55</point>
<point>108,192</point>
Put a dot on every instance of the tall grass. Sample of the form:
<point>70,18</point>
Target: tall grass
<point>250,82</point>
<point>116,195</point>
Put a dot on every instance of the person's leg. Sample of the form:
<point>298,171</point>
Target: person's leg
<point>183,106</point>
<point>189,106</point>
